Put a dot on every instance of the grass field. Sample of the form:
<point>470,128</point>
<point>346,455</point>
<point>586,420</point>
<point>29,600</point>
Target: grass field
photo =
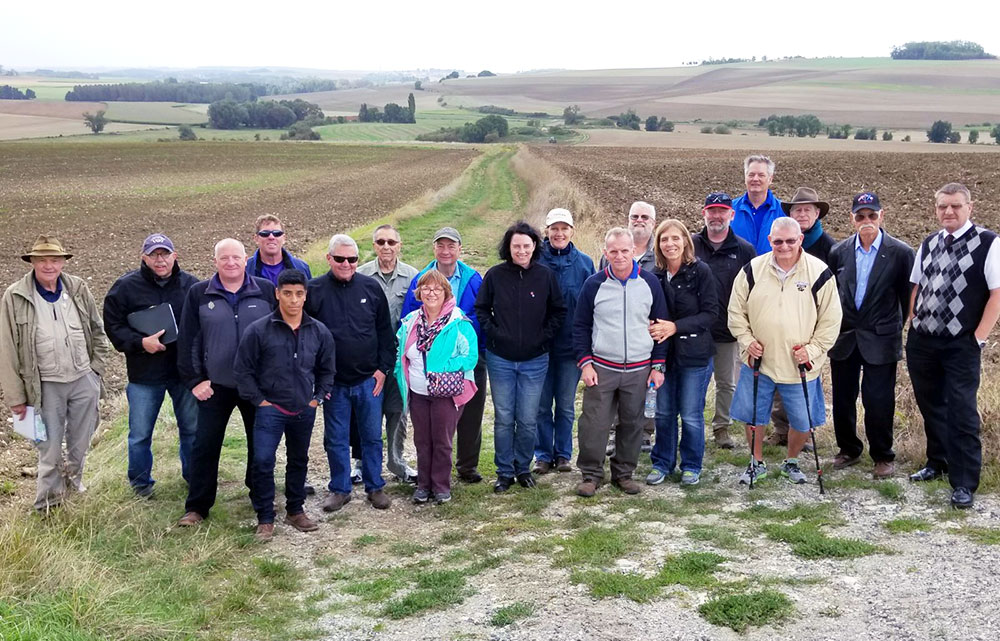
<point>166,113</point>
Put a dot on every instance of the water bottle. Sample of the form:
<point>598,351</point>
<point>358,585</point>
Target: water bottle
<point>650,410</point>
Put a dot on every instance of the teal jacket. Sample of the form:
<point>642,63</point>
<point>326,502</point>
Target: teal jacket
<point>454,349</point>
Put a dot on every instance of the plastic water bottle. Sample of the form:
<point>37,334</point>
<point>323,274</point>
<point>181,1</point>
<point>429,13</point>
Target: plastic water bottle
<point>650,410</point>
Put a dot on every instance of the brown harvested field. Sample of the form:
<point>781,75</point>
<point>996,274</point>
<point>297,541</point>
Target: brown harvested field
<point>15,127</point>
<point>49,108</point>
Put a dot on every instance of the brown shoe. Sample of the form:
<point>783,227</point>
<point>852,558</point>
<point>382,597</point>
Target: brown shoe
<point>722,439</point>
<point>627,485</point>
<point>334,501</point>
<point>563,465</point>
<point>777,440</point>
<point>587,488</point>
<point>189,519</point>
<point>265,532</point>
<point>884,470</point>
<point>842,461</point>
<point>542,467</point>
<point>379,500</point>
<point>301,522</point>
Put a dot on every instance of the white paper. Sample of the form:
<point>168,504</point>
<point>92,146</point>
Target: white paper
<point>31,426</point>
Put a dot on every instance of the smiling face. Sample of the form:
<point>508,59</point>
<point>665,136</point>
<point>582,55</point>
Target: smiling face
<point>47,269</point>
<point>785,244</point>
<point>559,235</point>
<point>387,246</point>
<point>230,260</point>
<point>269,244</point>
<point>953,211</point>
<point>343,261</point>
<point>291,298</point>
<point>447,252</point>
<point>619,251</point>
<point>717,219</point>
<point>672,245</point>
<point>161,261</point>
<point>758,179</point>
<point>805,215</point>
<point>521,249</point>
<point>641,223</point>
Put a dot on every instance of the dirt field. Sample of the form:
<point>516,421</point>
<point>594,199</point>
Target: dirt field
<point>16,127</point>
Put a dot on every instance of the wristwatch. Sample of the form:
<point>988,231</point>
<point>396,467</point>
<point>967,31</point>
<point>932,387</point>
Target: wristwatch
<point>982,343</point>
<point>658,368</point>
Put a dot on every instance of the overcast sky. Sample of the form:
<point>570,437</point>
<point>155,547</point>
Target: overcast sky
<point>507,36</point>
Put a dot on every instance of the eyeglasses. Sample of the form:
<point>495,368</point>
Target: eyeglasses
<point>340,259</point>
<point>778,242</point>
<point>431,290</point>
<point>860,216</point>
<point>386,241</point>
<point>639,217</point>
<point>264,233</point>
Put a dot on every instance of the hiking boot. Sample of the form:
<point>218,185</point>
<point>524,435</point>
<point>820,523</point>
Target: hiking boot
<point>628,485</point>
<point>587,487</point>
<point>791,471</point>
<point>722,439</point>
<point>409,476</point>
<point>655,477</point>
<point>883,470</point>
<point>189,519</point>
<point>471,476</point>
<point>144,491</point>
<point>926,473</point>
<point>334,501</point>
<point>542,467</point>
<point>777,440</point>
<point>421,496</point>
<point>842,460</point>
<point>301,522</point>
<point>503,484</point>
<point>356,472</point>
<point>563,465</point>
<point>690,478</point>
<point>265,532</point>
<point>379,500</point>
<point>442,497</point>
<point>755,470</point>
<point>526,480</point>
<point>309,489</point>
<point>647,445</point>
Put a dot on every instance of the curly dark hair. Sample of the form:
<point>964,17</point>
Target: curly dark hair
<point>520,227</point>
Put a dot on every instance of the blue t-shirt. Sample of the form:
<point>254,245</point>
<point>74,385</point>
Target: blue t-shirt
<point>271,272</point>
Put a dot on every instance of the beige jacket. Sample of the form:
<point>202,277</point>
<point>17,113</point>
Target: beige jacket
<point>780,315</point>
<point>19,378</point>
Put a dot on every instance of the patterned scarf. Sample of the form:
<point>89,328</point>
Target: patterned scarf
<point>426,333</point>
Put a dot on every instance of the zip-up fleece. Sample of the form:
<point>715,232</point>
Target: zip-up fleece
<point>611,328</point>
<point>211,329</point>
<point>284,367</point>
<point>455,349</point>
<point>255,265</point>
<point>694,307</point>
<point>725,262</point>
<point>572,267</point>
<point>519,310</point>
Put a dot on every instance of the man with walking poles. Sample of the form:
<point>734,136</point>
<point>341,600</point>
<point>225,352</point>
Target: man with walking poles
<point>785,314</point>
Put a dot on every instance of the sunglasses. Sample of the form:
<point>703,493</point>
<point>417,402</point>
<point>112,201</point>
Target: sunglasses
<point>340,259</point>
<point>861,216</point>
<point>639,217</point>
<point>386,241</point>
<point>778,242</point>
<point>264,233</point>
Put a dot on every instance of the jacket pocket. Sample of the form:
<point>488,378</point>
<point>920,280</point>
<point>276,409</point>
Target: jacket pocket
<point>887,329</point>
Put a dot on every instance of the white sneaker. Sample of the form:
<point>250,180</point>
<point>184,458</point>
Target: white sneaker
<point>356,472</point>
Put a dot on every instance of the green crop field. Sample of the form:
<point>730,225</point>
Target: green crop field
<point>166,113</point>
<point>427,121</point>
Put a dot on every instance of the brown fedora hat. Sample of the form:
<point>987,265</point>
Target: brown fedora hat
<point>46,246</point>
<point>806,196</point>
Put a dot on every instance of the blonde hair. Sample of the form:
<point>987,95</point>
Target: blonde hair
<point>433,277</point>
<point>263,219</point>
<point>687,254</point>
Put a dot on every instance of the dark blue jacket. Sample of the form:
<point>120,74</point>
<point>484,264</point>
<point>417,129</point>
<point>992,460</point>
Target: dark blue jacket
<point>286,368</point>
<point>357,314</point>
<point>754,229</point>
<point>290,262</point>
<point>211,328</point>
<point>725,263</point>
<point>465,297</point>
<point>572,267</point>
<point>694,308</point>
<point>135,291</point>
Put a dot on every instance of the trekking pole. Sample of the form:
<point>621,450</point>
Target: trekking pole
<point>753,426</point>
<point>812,432</point>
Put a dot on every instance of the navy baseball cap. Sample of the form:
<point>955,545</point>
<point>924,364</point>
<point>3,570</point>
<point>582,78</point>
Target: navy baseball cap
<point>156,241</point>
<point>865,200</point>
<point>718,199</point>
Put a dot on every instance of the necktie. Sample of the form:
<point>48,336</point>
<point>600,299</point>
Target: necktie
<point>949,240</point>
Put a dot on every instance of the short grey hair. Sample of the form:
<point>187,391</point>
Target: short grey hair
<point>954,188</point>
<point>618,232</point>
<point>381,227</point>
<point>229,241</point>
<point>784,222</point>
<point>640,205</point>
<point>339,240</point>
<point>749,160</point>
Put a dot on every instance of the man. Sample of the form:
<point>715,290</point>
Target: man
<point>53,351</point>
<point>755,210</point>
<point>285,367</point>
<point>216,314</point>
<point>394,276</point>
<point>873,278</point>
<point>465,283</point>
<point>152,365</point>
<point>642,224</point>
<point>807,210</point>
<point>271,257</point>
<point>726,253</point>
<point>954,306</point>
<point>354,309</point>
<point>784,312</point>
<point>619,361</point>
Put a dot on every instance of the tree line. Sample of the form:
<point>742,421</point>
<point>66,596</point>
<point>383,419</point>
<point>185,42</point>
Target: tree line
<point>263,114</point>
<point>937,50</point>
<point>489,129</point>
<point>171,90</point>
<point>391,112</point>
<point>13,93</point>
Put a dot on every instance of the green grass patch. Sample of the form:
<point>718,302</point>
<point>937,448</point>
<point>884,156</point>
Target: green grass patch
<point>365,540</point>
<point>508,614</point>
<point>280,574</point>
<point>640,509</point>
<point>596,545</point>
<point>889,489</point>
<point>451,537</point>
<point>690,569</point>
<point>603,584</point>
<point>514,525</point>
<point>407,548</point>
<point>982,535</point>
<point>435,589</point>
<point>375,590</point>
<point>533,501</point>
<point>7,488</point>
<point>582,518</point>
<point>742,611</point>
<point>809,542</point>
<point>717,535</point>
<point>541,545</point>
<point>904,525</point>
<point>820,513</point>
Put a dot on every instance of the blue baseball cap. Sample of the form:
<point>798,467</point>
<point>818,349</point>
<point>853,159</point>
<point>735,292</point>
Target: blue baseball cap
<point>865,200</point>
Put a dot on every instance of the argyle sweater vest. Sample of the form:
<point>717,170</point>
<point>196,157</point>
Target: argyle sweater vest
<point>953,291</point>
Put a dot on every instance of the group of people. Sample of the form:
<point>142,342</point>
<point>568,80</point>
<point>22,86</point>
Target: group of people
<point>758,299</point>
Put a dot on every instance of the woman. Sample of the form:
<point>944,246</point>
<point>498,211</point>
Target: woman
<point>437,354</point>
<point>554,444</point>
<point>689,287</point>
<point>519,308</point>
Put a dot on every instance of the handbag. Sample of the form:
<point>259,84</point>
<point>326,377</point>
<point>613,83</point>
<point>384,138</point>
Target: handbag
<point>443,384</point>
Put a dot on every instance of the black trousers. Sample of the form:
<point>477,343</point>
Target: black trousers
<point>213,416</point>
<point>878,396</point>
<point>945,373</point>
<point>469,436</point>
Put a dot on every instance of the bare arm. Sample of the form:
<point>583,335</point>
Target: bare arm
<point>990,316</point>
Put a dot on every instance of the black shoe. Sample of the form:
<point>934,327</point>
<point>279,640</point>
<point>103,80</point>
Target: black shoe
<point>526,480</point>
<point>926,474</point>
<point>961,498</point>
<point>647,445</point>
<point>471,477</point>
<point>503,484</point>
<point>310,490</point>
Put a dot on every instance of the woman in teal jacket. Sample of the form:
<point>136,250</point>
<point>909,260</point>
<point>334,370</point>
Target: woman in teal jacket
<point>438,348</point>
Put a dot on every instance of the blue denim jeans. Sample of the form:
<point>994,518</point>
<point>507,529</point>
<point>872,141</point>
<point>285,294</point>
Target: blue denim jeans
<point>268,428</point>
<point>555,427</point>
<point>682,394</point>
<point>344,400</point>
<point>516,387</point>
<point>144,403</point>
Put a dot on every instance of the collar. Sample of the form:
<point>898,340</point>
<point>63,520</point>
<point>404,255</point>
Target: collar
<point>341,283</point>
<point>780,269</point>
<point>727,242</point>
<point>557,252</point>
<point>813,234</point>
<point>151,276</point>
<point>960,231</point>
<point>286,258</point>
<point>44,292</point>
<point>215,283</point>
<point>276,317</point>
<point>876,244</point>
<point>634,274</point>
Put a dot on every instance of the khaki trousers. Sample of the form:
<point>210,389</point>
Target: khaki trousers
<point>69,411</point>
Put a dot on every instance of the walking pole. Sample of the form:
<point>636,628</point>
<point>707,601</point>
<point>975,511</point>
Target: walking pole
<point>812,432</point>
<point>753,427</point>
